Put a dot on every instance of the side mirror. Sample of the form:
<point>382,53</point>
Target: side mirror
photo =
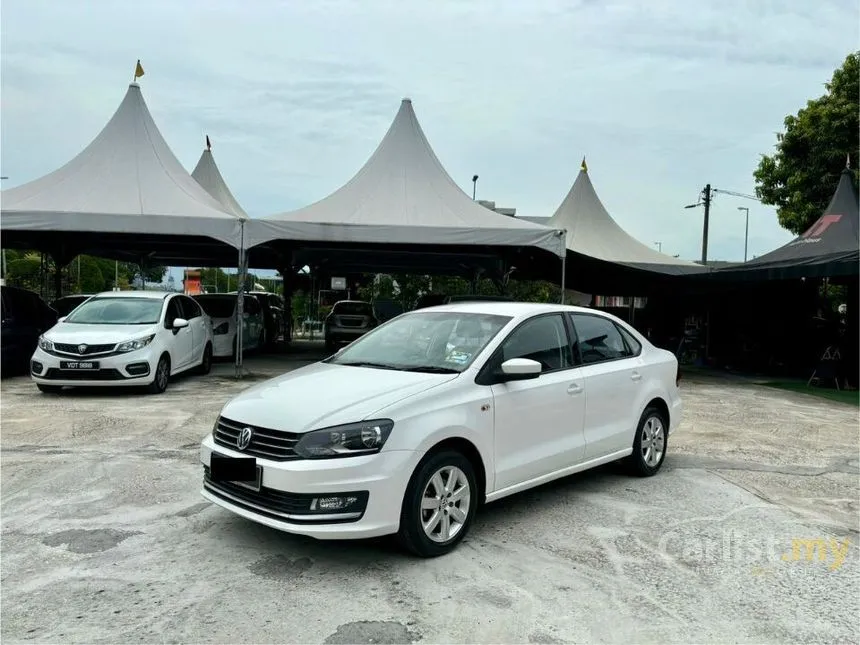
<point>520,369</point>
<point>179,323</point>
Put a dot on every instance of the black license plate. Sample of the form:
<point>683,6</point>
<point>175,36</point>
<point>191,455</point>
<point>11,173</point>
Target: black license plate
<point>79,365</point>
<point>242,471</point>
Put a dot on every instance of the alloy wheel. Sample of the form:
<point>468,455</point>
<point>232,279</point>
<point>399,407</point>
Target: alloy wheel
<point>162,374</point>
<point>653,441</point>
<point>445,504</point>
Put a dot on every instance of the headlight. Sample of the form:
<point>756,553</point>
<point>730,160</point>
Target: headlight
<point>221,329</point>
<point>134,345</point>
<point>366,437</point>
<point>45,345</point>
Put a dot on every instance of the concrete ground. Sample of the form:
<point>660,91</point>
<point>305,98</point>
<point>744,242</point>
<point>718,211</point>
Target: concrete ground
<point>105,538</point>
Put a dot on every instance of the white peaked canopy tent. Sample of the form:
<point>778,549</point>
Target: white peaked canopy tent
<point>126,181</point>
<point>403,195</point>
<point>206,174</point>
<point>209,177</point>
<point>591,231</point>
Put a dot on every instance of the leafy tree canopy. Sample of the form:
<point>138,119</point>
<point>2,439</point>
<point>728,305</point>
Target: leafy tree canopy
<point>800,177</point>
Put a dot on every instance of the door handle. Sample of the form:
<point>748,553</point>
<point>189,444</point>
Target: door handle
<point>636,376</point>
<point>574,388</point>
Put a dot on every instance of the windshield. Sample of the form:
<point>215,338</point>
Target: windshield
<point>217,306</point>
<point>117,311</point>
<point>424,341</point>
<point>352,309</point>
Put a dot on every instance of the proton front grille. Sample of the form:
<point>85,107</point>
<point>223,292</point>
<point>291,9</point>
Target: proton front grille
<point>265,443</point>
<point>90,349</point>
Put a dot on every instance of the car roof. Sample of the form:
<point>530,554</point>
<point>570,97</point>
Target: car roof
<point>502,308</point>
<point>154,295</point>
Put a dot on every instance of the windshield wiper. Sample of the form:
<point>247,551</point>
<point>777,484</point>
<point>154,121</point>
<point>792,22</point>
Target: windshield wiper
<point>430,369</point>
<point>383,366</point>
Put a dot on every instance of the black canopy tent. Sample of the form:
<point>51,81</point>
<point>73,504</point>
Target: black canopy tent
<point>771,301</point>
<point>830,248</point>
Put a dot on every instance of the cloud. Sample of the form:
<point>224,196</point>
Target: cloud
<point>663,96</point>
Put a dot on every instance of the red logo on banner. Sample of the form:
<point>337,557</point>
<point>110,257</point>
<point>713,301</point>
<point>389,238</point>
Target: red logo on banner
<point>823,223</point>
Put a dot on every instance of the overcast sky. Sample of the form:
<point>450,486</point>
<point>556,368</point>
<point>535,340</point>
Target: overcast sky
<point>661,96</point>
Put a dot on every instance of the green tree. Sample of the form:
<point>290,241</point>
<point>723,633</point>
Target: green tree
<point>800,177</point>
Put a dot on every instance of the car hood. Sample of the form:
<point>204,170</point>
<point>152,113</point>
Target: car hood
<point>324,394</point>
<point>73,334</point>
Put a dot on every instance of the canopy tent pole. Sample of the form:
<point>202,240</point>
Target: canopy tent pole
<point>240,300</point>
<point>563,233</point>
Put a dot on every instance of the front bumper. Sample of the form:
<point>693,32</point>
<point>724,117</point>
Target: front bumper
<point>129,369</point>
<point>288,488</point>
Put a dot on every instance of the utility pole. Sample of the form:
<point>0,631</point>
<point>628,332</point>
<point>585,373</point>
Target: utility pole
<point>746,230</point>
<point>706,200</point>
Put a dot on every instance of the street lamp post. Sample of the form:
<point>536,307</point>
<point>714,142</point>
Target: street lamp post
<point>474,185</point>
<point>659,246</point>
<point>746,230</point>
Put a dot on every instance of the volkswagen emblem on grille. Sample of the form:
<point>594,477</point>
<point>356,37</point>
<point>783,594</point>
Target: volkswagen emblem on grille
<point>82,349</point>
<point>244,438</point>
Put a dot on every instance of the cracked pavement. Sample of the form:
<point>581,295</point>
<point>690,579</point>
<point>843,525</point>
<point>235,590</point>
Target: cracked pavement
<point>106,539</point>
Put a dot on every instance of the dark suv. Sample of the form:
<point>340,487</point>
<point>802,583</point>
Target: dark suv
<point>348,320</point>
<point>25,317</point>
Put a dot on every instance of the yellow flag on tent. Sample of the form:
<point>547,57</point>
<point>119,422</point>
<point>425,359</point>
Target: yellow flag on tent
<point>582,166</point>
<point>138,70</point>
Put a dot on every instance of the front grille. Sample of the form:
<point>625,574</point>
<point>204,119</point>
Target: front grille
<point>90,350</point>
<point>83,375</point>
<point>265,443</point>
<point>278,504</point>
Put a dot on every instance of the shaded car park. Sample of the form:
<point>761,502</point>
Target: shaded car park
<point>25,317</point>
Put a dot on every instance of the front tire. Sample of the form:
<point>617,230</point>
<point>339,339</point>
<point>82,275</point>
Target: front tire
<point>162,376</point>
<point>649,446</point>
<point>439,505</point>
<point>49,389</point>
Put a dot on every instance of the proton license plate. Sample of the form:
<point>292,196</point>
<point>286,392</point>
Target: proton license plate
<point>241,471</point>
<point>79,365</point>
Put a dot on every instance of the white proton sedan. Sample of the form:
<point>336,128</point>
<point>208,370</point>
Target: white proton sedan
<point>413,426</point>
<point>124,338</point>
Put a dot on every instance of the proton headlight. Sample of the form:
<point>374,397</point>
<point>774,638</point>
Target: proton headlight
<point>363,438</point>
<point>45,345</point>
<point>134,345</point>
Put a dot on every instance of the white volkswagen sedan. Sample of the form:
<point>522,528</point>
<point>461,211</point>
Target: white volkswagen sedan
<point>124,338</point>
<point>413,426</point>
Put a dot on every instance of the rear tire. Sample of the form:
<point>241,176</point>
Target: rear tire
<point>439,505</point>
<point>649,446</point>
<point>206,363</point>
<point>49,389</point>
<point>162,376</point>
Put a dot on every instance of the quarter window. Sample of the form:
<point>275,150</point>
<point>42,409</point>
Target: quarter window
<point>542,339</point>
<point>598,339</point>
<point>632,344</point>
